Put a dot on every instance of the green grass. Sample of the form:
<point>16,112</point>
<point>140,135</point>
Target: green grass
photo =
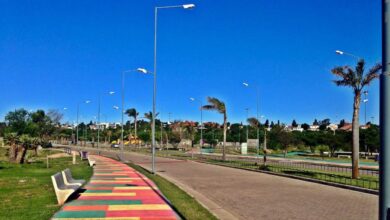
<point>181,201</point>
<point>364,181</point>
<point>26,190</point>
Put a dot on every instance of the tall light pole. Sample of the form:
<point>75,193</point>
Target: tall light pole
<point>247,125</point>
<point>384,122</point>
<point>257,113</point>
<point>123,101</point>
<point>98,117</point>
<point>201,123</point>
<point>77,125</point>
<point>186,6</point>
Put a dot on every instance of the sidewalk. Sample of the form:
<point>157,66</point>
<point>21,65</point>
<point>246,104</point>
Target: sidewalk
<point>117,191</point>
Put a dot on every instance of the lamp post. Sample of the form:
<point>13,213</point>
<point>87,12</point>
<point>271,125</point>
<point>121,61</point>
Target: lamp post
<point>384,122</point>
<point>201,123</point>
<point>247,125</point>
<point>98,118</point>
<point>77,125</point>
<point>257,113</point>
<point>123,101</point>
<point>186,6</point>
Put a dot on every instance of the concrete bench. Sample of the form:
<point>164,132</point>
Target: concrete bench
<point>91,162</point>
<point>68,179</point>
<point>62,191</point>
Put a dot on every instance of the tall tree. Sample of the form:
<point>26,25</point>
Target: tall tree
<point>132,112</point>
<point>294,124</point>
<point>355,78</point>
<point>219,106</point>
<point>149,116</point>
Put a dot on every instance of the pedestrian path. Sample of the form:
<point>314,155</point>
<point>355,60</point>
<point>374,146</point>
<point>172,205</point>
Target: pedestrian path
<point>117,191</point>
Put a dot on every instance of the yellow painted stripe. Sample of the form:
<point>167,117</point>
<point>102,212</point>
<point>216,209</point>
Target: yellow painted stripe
<point>138,207</point>
<point>108,194</point>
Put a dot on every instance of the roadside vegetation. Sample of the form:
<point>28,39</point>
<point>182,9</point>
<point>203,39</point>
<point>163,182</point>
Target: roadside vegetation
<point>26,190</point>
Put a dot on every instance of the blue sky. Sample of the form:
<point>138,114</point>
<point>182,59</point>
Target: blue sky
<point>55,54</point>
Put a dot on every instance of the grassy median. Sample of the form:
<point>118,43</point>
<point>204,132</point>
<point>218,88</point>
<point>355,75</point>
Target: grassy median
<point>186,205</point>
<point>26,190</point>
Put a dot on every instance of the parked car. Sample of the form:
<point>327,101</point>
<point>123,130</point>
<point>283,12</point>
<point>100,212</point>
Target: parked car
<point>114,145</point>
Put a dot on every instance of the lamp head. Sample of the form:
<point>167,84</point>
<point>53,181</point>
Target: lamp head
<point>87,102</point>
<point>245,84</point>
<point>192,99</point>
<point>142,70</point>
<point>188,6</point>
<point>339,52</point>
<point>111,93</point>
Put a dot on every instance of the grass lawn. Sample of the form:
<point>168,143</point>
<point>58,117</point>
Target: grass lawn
<point>182,202</point>
<point>26,190</point>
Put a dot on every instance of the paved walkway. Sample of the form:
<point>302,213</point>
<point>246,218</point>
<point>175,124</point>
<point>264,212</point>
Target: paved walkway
<point>117,191</point>
<point>239,194</point>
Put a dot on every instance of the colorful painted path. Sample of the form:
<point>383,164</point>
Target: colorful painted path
<point>117,191</point>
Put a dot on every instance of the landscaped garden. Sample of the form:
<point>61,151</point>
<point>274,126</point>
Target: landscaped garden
<point>26,190</point>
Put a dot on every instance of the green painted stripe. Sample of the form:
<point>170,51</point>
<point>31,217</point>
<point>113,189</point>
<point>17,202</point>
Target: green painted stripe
<point>105,202</point>
<point>80,214</point>
<point>98,191</point>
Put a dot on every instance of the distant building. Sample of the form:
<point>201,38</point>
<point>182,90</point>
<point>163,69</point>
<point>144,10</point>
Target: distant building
<point>332,127</point>
<point>314,128</point>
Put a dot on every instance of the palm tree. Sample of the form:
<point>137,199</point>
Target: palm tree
<point>357,80</point>
<point>219,106</point>
<point>132,112</point>
<point>149,116</point>
<point>12,139</point>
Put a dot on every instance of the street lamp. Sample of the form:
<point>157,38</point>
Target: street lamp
<point>257,112</point>
<point>77,125</point>
<point>185,6</point>
<point>98,118</point>
<point>123,101</point>
<point>340,52</point>
<point>201,123</point>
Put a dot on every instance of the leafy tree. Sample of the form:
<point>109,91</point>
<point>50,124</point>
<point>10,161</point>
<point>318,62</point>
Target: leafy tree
<point>294,124</point>
<point>17,120</point>
<point>219,106</point>
<point>342,123</point>
<point>315,122</point>
<point>266,124</point>
<point>305,126</point>
<point>356,79</point>
<point>285,139</point>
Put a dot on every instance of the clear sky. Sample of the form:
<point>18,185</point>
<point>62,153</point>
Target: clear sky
<point>55,54</point>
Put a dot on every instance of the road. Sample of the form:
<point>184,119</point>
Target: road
<point>238,194</point>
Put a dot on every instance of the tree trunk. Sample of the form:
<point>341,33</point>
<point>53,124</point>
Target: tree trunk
<point>21,153</point>
<point>12,153</point>
<point>135,127</point>
<point>224,137</point>
<point>355,137</point>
